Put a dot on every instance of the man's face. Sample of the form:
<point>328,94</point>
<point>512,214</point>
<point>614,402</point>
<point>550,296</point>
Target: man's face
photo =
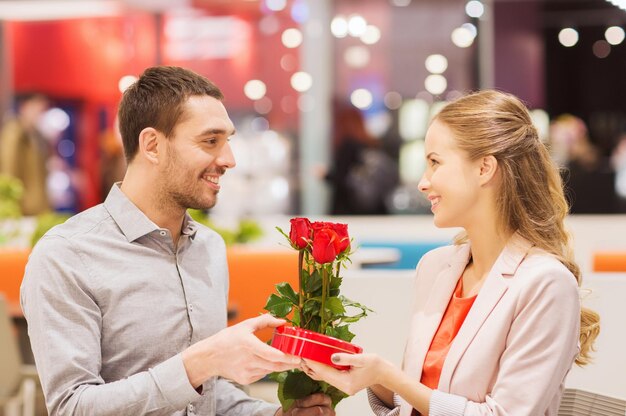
<point>197,155</point>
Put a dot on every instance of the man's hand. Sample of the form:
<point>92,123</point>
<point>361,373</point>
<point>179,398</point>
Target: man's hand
<point>314,405</point>
<point>237,354</point>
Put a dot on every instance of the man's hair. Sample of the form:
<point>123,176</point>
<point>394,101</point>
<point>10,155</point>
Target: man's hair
<point>157,99</point>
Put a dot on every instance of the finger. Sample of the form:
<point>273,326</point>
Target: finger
<point>318,371</point>
<point>317,399</point>
<point>263,321</point>
<point>341,358</point>
<point>267,353</point>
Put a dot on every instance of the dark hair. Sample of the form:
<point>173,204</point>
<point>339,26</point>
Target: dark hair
<point>157,100</point>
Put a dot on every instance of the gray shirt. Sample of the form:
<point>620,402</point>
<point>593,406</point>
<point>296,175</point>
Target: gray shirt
<point>111,303</point>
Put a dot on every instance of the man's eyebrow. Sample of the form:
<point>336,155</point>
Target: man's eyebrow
<point>431,154</point>
<point>218,132</point>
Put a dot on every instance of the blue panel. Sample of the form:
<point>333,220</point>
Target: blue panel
<point>410,252</point>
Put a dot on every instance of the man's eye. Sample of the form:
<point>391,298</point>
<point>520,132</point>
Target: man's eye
<point>433,162</point>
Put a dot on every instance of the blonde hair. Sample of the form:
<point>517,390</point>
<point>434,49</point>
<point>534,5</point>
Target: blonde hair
<point>494,123</point>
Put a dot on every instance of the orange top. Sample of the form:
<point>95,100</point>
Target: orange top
<point>451,322</point>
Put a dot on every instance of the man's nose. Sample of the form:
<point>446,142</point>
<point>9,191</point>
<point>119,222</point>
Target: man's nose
<point>226,158</point>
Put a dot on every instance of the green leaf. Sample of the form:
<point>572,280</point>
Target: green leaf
<point>334,306</point>
<point>312,306</point>
<point>295,320</point>
<point>341,332</point>
<point>287,291</point>
<point>313,283</point>
<point>298,385</point>
<point>334,393</point>
<point>349,302</point>
<point>278,377</point>
<point>278,306</point>
<point>285,402</point>
<point>335,283</point>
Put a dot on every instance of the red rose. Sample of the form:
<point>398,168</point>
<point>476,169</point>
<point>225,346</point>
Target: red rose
<point>300,232</point>
<point>342,242</point>
<point>343,239</point>
<point>324,250</point>
<point>320,225</point>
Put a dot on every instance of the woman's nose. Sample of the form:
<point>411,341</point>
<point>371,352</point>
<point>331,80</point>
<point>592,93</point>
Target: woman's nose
<point>423,184</point>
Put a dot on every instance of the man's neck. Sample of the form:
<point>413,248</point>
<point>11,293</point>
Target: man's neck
<point>147,199</point>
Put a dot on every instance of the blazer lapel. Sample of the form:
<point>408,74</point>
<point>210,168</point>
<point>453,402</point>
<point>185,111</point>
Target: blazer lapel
<point>494,288</point>
<point>426,321</point>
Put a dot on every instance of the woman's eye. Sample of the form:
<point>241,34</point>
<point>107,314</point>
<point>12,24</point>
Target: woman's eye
<point>433,162</point>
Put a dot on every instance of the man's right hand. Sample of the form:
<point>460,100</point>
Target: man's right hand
<point>237,354</point>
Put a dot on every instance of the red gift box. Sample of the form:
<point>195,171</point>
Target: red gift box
<point>312,345</point>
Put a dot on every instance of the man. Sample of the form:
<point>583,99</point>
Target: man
<point>24,152</point>
<point>126,302</point>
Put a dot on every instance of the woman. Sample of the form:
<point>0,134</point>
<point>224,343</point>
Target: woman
<point>497,321</point>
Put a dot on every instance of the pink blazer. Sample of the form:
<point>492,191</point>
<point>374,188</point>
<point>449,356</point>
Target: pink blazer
<point>518,341</point>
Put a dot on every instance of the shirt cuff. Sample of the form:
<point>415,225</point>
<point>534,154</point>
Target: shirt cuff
<point>379,407</point>
<point>171,379</point>
<point>267,409</point>
<point>446,404</point>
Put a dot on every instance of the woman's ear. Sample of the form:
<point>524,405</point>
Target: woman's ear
<point>149,145</point>
<point>488,169</point>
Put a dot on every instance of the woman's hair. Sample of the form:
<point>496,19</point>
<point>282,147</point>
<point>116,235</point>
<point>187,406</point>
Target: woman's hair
<point>531,200</point>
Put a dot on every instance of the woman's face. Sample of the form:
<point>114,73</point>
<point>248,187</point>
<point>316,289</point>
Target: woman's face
<point>450,181</point>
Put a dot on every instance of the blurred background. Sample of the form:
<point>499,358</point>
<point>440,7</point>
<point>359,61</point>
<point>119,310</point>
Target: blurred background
<point>331,100</point>
<point>322,92</point>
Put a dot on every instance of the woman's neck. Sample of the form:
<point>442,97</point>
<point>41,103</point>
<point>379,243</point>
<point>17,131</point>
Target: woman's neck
<point>487,242</point>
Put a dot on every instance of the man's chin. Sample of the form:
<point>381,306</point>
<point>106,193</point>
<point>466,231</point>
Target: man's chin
<point>203,206</point>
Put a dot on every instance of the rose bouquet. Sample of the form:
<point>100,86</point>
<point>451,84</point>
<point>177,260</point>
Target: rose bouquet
<point>317,307</point>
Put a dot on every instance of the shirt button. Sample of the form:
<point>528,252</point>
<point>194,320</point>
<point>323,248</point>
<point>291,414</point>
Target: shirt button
<point>190,307</point>
<point>191,408</point>
<point>163,233</point>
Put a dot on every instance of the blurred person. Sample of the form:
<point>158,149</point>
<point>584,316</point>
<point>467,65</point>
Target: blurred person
<point>587,174</point>
<point>362,174</point>
<point>24,152</point>
<point>126,302</point>
<point>497,321</point>
<point>113,162</point>
<point>618,162</point>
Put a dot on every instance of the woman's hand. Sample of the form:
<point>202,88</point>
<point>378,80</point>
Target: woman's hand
<point>366,370</point>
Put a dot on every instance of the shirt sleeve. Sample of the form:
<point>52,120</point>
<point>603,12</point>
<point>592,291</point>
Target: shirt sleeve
<point>64,326</point>
<point>232,401</point>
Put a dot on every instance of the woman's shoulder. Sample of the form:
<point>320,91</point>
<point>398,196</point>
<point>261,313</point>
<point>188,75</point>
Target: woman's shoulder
<point>541,271</point>
<point>444,256</point>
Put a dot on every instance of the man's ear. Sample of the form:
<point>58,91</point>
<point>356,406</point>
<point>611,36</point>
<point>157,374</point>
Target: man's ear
<point>488,169</point>
<point>149,145</point>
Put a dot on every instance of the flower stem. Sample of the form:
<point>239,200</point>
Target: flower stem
<point>300,288</point>
<point>324,293</point>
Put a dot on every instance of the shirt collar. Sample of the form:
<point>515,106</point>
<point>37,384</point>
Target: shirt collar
<point>132,221</point>
<point>190,226</point>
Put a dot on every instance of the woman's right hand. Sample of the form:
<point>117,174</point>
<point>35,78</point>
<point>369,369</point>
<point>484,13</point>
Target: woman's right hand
<point>366,370</point>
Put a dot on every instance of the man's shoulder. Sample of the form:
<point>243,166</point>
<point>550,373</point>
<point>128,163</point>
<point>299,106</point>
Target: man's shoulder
<point>209,236</point>
<point>82,223</point>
